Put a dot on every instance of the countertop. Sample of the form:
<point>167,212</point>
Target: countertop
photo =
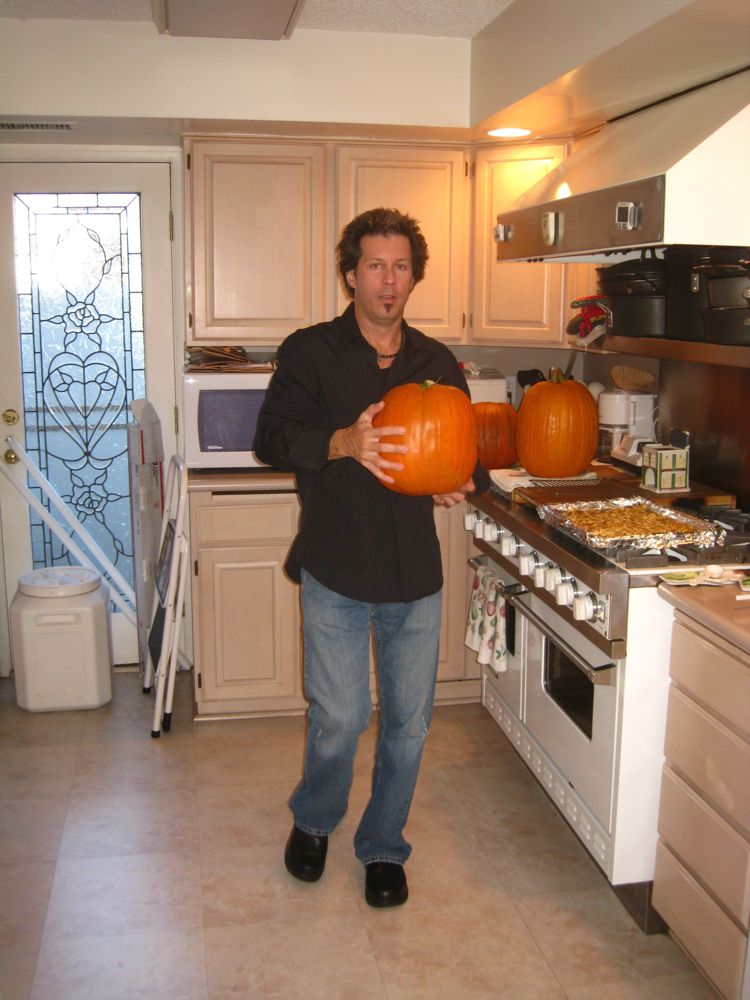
<point>241,481</point>
<point>715,608</point>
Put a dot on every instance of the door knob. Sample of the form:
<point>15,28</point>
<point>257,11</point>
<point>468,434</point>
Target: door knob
<point>10,417</point>
<point>10,456</point>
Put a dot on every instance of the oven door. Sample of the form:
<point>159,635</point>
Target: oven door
<point>571,704</point>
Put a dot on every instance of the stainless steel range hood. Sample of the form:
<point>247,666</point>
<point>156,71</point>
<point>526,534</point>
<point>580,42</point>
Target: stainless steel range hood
<point>674,173</point>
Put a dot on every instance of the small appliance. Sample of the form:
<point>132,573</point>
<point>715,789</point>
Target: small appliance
<point>488,390</point>
<point>220,414</point>
<point>626,423</point>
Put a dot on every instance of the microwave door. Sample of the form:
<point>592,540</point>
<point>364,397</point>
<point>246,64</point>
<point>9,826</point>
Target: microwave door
<point>227,419</point>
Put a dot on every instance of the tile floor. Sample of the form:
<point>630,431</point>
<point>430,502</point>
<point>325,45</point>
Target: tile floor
<point>136,868</point>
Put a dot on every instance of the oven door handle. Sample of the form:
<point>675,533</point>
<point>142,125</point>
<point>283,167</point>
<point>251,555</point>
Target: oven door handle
<point>597,675</point>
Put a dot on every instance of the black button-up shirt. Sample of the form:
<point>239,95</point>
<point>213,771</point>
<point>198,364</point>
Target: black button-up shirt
<point>356,537</point>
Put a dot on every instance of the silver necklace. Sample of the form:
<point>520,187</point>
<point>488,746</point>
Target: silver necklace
<point>390,357</point>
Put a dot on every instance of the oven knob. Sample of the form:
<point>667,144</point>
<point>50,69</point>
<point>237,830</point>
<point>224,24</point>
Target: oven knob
<point>552,576</point>
<point>491,531</point>
<point>587,608</point>
<point>528,563</point>
<point>479,528</point>
<point>565,592</point>
<point>539,574</point>
<point>470,520</point>
<point>509,546</point>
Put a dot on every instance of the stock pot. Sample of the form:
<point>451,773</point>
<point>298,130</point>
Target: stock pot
<point>726,271</point>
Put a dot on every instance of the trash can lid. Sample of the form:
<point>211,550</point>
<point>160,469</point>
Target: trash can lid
<point>59,581</point>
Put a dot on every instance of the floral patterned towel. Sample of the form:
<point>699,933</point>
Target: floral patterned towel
<point>485,629</point>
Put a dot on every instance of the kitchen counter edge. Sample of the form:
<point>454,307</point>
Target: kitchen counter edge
<point>715,608</point>
<point>240,481</point>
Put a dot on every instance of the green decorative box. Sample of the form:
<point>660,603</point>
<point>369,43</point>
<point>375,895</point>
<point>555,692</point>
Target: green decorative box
<point>665,469</point>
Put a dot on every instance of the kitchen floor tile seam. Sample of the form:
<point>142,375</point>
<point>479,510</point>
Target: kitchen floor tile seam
<point>639,936</point>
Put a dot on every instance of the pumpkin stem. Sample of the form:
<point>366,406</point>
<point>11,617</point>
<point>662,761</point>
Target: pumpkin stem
<point>428,382</point>
<point>556,375</point>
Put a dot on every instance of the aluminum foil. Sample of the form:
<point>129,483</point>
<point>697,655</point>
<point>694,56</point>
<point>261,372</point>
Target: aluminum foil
<point>603,524</point>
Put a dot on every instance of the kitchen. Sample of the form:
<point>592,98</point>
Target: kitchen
<point>151,113</point>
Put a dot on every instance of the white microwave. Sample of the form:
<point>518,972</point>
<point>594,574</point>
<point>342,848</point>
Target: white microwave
<point>220,414</point>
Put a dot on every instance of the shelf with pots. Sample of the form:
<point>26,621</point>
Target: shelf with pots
<point>698,351</point>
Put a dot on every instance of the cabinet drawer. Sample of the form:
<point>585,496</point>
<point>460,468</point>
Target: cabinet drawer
<point>248,521</point>
<point>712,674</point>
<point>711,757</point>
<point>705,931</point>
<point>707,845</point>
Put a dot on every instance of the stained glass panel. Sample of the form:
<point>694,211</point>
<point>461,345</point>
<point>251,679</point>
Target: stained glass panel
<point>80,309</point>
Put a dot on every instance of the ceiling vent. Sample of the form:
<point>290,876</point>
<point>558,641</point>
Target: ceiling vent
<point>259,19</point>
<point>36,126</point>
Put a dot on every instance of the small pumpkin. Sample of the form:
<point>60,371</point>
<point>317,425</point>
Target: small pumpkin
<point>496,434</point>
<point>440,436</point>
<point>557,429</point>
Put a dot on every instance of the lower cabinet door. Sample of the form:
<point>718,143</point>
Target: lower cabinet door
<point>249,630</point>
<point>698,922</point>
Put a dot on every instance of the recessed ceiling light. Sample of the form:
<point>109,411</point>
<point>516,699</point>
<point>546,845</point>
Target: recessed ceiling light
<point>509,133</point>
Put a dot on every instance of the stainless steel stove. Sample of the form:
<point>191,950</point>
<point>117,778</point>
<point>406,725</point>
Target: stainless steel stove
<point>583,697</point>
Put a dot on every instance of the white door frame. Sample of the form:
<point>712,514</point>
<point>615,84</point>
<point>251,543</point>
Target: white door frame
<point>172,156</point>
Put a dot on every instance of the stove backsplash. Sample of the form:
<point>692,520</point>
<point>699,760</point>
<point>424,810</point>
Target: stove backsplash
<point>711,402</point>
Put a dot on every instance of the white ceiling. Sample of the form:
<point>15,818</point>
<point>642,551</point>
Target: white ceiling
<point>448,18</point>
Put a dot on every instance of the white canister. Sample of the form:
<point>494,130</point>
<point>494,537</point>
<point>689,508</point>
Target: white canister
<point>614,409</point>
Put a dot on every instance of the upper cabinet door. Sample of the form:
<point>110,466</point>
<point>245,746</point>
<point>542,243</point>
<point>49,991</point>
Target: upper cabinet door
<point>256,240</point>
<point>513,302</point>
<point>431,185</point>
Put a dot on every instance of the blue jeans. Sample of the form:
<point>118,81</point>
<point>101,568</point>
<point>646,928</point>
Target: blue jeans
<point>337,644</point>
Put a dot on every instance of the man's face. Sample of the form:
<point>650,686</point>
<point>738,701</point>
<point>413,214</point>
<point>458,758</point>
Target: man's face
<point>383,278</point>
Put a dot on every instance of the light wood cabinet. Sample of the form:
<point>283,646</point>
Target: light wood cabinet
<point>246,619</point>
<point>256,242</point>
<point>513,302</point>
<point>247,638</point>
<point>702,872</point>
<point>458,670</point>
<point>431,185</point>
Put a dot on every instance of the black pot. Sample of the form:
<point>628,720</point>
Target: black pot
<point>687,293</point>
<point>647,276</point>
<point>726,284</point>
<point>638,315</point>
<point>727,325</point>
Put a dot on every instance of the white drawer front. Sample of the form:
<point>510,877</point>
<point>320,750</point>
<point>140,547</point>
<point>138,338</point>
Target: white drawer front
<point>706,844</point>
<point>710,757</point>
<point>706,932</point>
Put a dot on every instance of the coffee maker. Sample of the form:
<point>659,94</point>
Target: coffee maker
<point>626,423</point>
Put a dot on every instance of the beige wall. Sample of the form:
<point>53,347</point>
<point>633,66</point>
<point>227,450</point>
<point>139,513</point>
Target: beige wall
<point>125,69</point>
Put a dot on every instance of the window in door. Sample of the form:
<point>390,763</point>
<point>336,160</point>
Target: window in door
<point>80,316</point>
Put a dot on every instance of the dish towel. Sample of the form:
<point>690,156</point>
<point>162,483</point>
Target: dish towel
<point>485,628</point>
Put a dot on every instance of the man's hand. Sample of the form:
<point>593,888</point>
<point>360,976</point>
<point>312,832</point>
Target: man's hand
<point>451,499</point>
<point>362,442</point>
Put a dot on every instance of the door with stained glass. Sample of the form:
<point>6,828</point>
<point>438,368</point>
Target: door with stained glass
<point>85,328</point>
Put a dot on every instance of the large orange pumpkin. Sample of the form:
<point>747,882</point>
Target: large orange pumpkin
<point>496,434</point>
<point>440,436</point>
<point>557,430</point>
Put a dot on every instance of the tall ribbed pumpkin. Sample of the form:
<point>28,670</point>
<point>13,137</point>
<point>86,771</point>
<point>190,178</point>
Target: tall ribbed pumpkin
<point>558,429</point>
<point>440,436</point>
<point>496,434</point>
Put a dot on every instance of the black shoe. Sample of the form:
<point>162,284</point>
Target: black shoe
<point>305,855</point>
<point>385,884</point>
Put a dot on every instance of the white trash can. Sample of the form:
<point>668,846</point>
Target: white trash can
<point>60,638</point>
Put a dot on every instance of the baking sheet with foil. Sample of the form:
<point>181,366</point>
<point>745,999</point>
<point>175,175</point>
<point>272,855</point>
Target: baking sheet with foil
<point>605,533</point>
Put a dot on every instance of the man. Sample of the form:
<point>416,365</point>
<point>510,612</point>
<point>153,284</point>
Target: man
<point>367,557</point>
